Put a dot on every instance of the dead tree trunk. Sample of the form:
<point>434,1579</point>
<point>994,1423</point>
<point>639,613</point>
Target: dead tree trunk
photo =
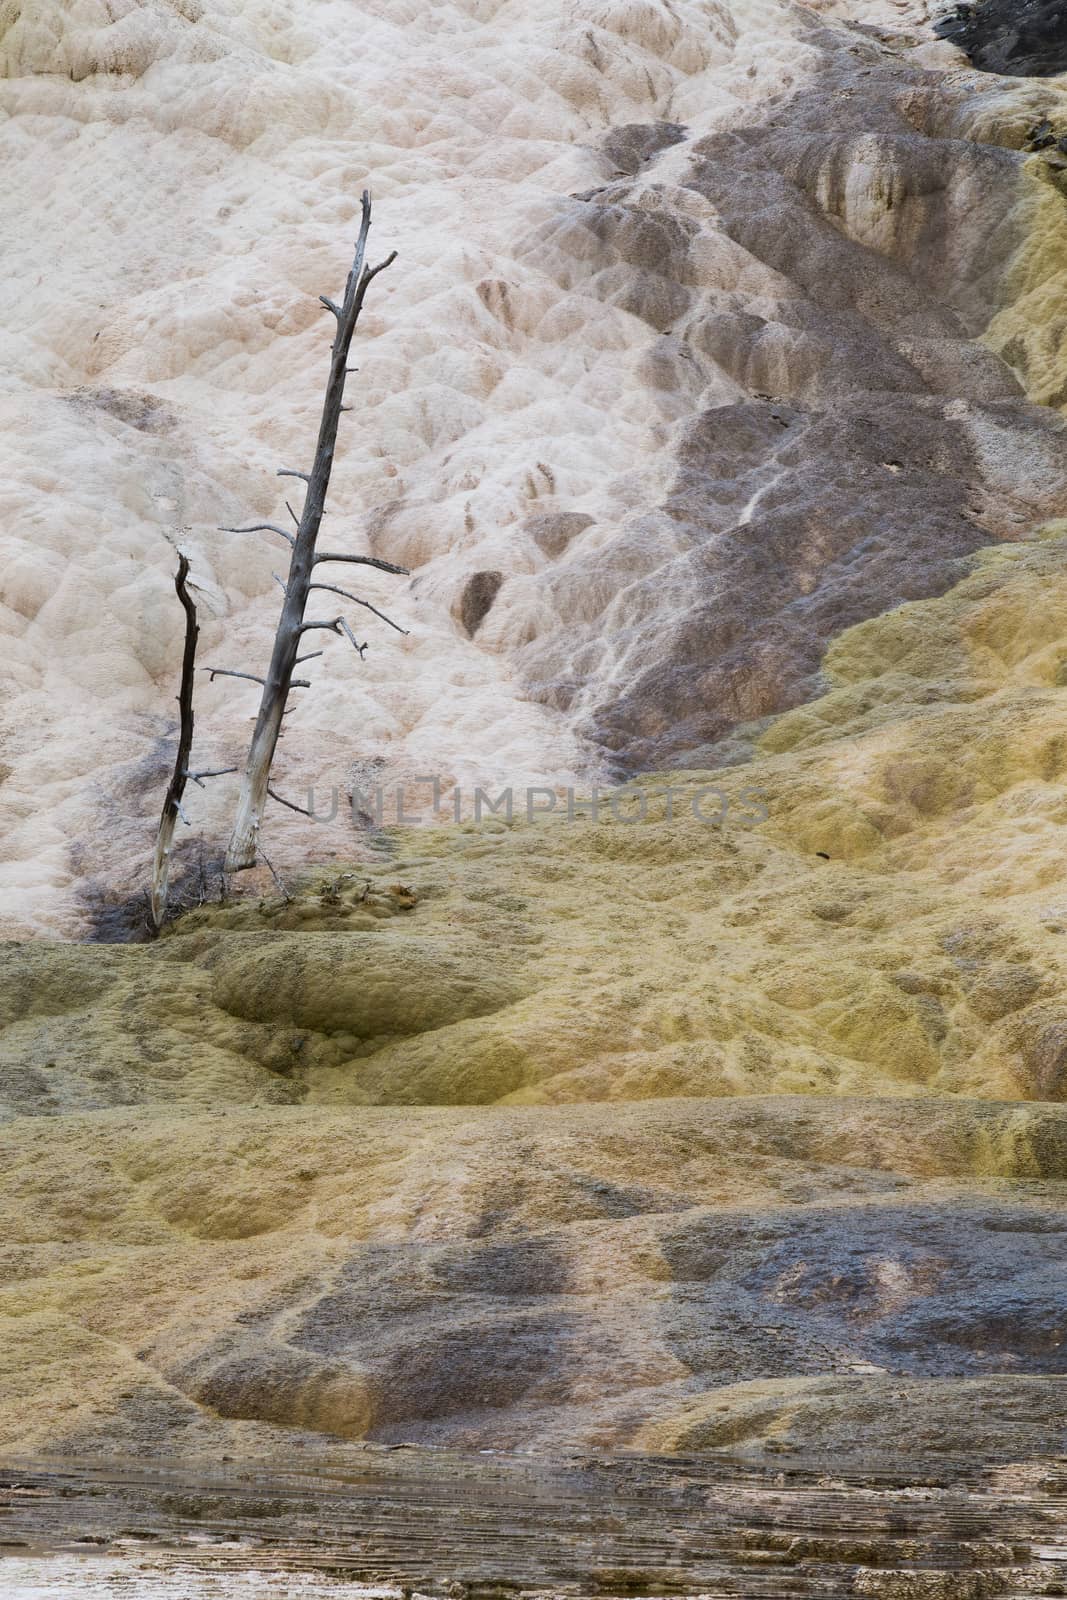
<point>279,681</point>
<point>172,805</point>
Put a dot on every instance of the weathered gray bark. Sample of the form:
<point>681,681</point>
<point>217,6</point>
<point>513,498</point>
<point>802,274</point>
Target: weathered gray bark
<point>255,783</point>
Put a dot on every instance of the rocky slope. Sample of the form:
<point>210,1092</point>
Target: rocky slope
<point>612,1132</point>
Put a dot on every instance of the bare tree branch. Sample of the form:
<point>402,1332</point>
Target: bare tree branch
<point>286,896</point>
<point>332,627</point>
<point>263,527</point>
<point>312,655</point>
<point>224,672</point>
<point>338,625</point>
<point>333,589</point>
<point>283,802</point>
<point>370,273</point>
<point>287,472</point>
<point>214,772</point>
<point>360,649</point>
<point>364,561</point>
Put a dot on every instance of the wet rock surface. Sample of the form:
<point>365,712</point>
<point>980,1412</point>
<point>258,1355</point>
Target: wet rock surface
<point>447,1524</point>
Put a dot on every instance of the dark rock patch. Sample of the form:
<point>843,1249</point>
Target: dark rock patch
<point>1019,38</point>
<point>553,532</point>
<point>928,1291</point>
<point>479,592</point>
<point>634,144</point>
<point>137,409</point>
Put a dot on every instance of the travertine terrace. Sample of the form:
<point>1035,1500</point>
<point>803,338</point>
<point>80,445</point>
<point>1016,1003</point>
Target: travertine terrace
<point>715,404</point>
<point>685,366</point>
